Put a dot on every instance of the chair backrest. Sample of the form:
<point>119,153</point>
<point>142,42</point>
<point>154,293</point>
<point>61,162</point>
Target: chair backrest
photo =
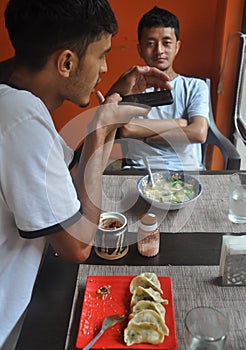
<point>230,154</point>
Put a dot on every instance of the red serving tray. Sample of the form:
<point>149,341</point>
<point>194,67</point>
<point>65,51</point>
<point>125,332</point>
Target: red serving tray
<point>95,308</point>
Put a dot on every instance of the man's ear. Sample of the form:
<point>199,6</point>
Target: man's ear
<point>65,62</point>
<point>178,47</point>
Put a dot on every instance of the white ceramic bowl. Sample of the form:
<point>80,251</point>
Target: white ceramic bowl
<point>197,186</point>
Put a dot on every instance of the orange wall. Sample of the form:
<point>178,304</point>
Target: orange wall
<point>6,49</point>
<point>195,56</point>
<point>205,30</point>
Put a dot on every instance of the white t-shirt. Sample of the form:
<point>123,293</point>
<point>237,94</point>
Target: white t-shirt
<point>191,98</point>
<point>37,196</point>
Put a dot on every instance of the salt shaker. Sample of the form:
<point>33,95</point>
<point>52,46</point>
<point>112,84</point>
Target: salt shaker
<point>148,235</point>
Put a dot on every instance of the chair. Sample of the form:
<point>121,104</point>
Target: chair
<point>230,154</point>
<point>232,159</point>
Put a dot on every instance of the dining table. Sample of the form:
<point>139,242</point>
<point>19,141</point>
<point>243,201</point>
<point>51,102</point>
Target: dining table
<point>190,248</point>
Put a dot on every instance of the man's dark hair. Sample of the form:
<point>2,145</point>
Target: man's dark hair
<point>158,17</point>
<point>37,28</point>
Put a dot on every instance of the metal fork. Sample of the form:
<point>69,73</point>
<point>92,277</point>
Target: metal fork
<point>107,323</point>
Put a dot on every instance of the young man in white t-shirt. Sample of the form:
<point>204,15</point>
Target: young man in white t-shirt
<point>60,49</point>
<point>171,136</point>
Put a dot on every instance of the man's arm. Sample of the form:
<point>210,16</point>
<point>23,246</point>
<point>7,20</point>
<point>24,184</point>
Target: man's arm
<point>175,131</point>
<point>145,128</point>
<point>195,132</point>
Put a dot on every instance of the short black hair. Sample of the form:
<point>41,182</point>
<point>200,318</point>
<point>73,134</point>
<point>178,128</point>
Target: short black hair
<point>37,28</point>
<point>158,17</point>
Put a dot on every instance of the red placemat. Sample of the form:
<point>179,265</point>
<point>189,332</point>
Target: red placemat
<point>95,309</point>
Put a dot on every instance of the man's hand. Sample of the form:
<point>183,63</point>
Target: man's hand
<point>139,78</point>
<point>111,115</point>
<point>182,122</point>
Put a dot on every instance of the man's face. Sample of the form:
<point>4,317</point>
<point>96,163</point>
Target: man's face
<point>87,75</point>
<point>158,47</point>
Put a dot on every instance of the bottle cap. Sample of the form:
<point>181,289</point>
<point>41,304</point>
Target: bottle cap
<point>148,222</point>
<point>149,219</point>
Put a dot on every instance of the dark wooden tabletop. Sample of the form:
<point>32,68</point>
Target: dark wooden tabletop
<point>47,320</point>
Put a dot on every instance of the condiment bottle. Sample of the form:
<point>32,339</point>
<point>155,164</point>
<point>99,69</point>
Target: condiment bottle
<point>148,235</point>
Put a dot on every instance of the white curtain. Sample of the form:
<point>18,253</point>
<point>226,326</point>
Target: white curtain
<point>240,107</point>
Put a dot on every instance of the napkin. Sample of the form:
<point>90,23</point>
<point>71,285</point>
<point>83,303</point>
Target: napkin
<point>233,260</point>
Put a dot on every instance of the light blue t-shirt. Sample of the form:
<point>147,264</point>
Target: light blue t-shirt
<point>191,98</point>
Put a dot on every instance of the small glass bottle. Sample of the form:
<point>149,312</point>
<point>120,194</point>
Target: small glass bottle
<point>148,235</point>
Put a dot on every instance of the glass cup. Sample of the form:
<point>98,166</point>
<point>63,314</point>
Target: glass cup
<point>110,240</point>
<point>237,198</point>
<point>205,329</point>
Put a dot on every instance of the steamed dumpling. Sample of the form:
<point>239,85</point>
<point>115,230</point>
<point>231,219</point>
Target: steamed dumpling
<point>152,277</point>
<point>136,334</point>
<point>148,305</point>
<point>149,317</point>
<point>145,282</point>
<point>141,293</point>
<point>146,326</point>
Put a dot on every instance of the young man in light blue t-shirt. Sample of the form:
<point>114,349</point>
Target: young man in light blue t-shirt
<point>171,136</point>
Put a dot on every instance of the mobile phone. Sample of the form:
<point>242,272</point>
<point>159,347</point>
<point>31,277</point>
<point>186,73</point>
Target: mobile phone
<point>153,99</point>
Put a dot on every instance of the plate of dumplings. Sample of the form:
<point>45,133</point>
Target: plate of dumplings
<point>146,300</point>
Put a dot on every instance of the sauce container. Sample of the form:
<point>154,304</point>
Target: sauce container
<point>110,241</point>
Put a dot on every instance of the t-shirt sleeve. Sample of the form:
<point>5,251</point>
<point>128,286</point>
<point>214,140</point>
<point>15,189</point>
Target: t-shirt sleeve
<point>37,187</point>
<point>198,100</point>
